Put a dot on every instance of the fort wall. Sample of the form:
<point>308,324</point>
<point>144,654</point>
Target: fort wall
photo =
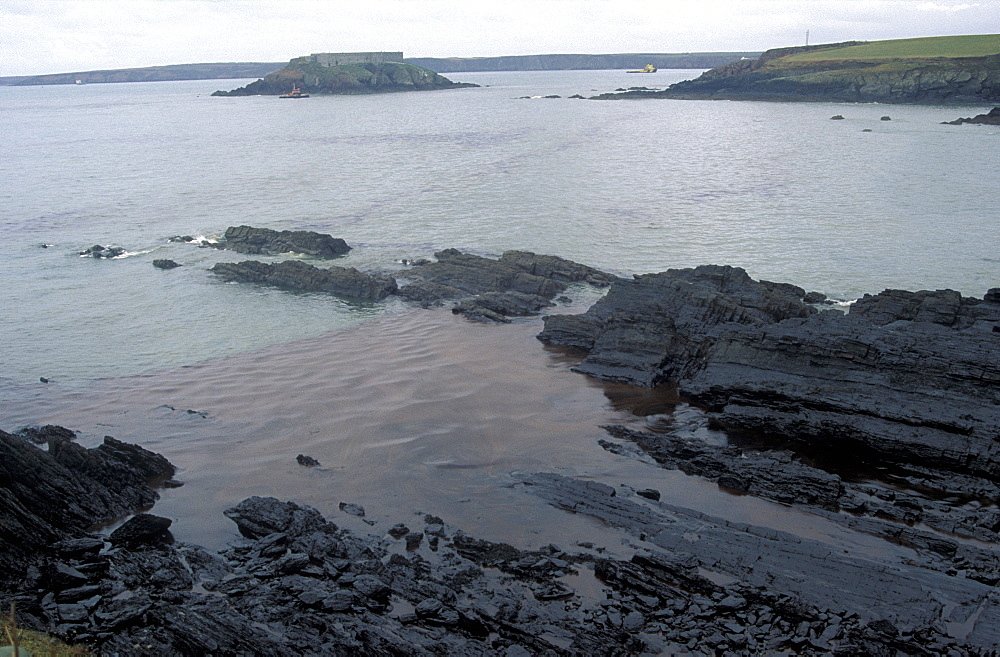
<point>348,58</point>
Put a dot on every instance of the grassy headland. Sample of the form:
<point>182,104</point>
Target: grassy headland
<point>933,70</point>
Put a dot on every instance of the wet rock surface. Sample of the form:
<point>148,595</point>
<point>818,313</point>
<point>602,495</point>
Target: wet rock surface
<point>98,252</point>
<point>879,427</point>
<point>911,376</point>
<point>264,241</point>
<point>297,275</point>
<point>50,495</point>
<point>657,327</point>
<point>518,283</point>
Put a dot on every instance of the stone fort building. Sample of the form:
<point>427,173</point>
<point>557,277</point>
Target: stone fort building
<point>347,58</point>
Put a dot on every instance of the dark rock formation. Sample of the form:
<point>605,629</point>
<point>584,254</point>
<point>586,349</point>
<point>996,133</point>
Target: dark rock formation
<point>258,241</point>
<point>657,327</point>
<point>518,283</point>
<point>990,118</point>
<point>165,264</point>
<point>911,376</point>
<point>47,496</point>
<point>298,275</point>
<point>919,384</point>
<point>321,590</point>
<point>97,252</point>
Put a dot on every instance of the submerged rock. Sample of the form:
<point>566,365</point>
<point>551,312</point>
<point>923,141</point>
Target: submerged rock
<point>297,275</point>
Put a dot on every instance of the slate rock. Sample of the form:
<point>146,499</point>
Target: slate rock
<point>142,529</point>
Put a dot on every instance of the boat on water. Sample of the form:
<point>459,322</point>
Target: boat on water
<point>294,93</point>
<point>649,68</point>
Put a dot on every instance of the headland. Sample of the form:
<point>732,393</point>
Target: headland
<point>932,70</point>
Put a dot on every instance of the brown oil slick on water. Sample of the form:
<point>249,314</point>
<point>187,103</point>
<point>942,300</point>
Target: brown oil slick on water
<point>419,412</point>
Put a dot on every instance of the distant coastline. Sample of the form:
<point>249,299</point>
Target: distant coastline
<point>243,70</point>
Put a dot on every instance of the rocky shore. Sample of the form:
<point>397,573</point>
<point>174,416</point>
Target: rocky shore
<point>935,70</point>
<point>880,422</point>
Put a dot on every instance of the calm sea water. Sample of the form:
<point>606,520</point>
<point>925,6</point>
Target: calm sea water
<point>388,394</point>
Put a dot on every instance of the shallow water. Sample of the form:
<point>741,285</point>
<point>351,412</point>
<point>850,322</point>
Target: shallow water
<point>424,412</point>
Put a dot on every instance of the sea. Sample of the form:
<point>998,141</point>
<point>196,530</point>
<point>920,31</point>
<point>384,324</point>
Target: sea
<point>410,410</point>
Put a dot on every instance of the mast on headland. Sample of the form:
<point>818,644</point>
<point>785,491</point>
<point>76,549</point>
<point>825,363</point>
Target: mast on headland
<point>807,37</point>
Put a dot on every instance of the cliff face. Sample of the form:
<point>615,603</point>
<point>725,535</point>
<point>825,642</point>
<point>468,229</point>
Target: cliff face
<point>315,78</point>
<point>827,75</point>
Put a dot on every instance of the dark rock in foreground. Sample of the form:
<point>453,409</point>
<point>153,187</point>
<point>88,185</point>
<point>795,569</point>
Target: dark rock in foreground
<point>165,264</point>
<point>46,496</point>
<point>300,584</point>
<point>827,600</point>
<point>912,376</point>
<point>297,275</point>
<point>990,118</point>
<point>921,386</point>
<point>264,241</point>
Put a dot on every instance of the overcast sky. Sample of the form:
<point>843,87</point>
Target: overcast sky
<point>55,36</point>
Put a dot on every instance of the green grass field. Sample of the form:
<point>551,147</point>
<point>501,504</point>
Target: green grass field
<point>975,45</point>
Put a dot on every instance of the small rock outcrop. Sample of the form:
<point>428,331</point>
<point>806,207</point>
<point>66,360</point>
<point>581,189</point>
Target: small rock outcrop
<point>98,252</point>
<point>990,118</point>
<point>264,241</point>
<point>517,283</point>
<point>165,264</point>
<point>298,275</point>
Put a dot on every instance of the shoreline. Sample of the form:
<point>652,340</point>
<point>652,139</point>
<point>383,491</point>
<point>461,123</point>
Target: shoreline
<point>608,526</point>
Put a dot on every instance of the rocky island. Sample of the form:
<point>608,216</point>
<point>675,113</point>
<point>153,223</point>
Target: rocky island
<point>933,70</point>
<point>346,73</point>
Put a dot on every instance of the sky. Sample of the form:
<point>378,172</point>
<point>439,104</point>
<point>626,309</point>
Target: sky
<point>61,36</point>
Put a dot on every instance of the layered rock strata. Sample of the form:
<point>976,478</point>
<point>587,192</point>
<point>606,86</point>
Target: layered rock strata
<point>914,377</point>
<point>50,495</point>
